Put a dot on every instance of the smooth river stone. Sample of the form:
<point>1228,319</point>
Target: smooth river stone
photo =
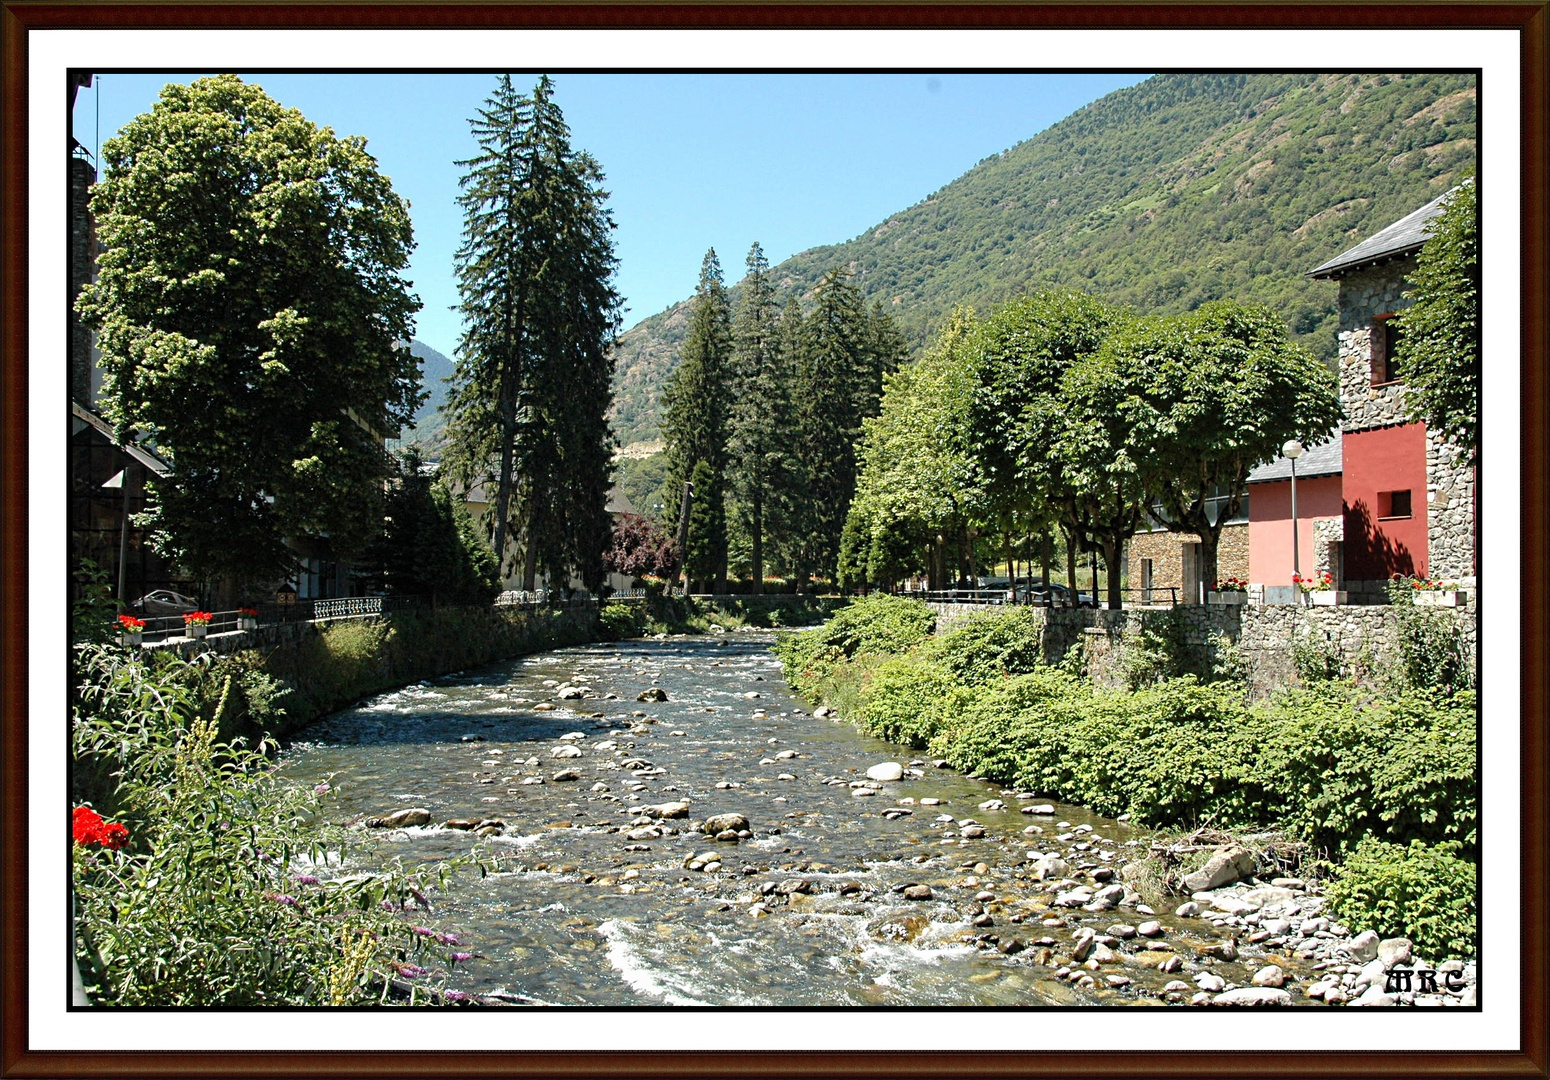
<point>887,770</point>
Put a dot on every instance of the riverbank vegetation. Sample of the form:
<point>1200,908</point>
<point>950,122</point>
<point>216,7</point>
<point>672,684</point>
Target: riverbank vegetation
<point>1381,778</point>
<point>201,877</point>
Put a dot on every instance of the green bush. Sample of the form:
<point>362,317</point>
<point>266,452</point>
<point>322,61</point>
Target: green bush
<point>1159,650</point>
<point>908,701</point>
<point>615,622</point>
<point>1425,893</point>
<point>1429,650</point>
<point>225,891</point>
<point>1314,656</point>
<point>989,647</point>
<point>1325,763</point>
<point>873,624</point>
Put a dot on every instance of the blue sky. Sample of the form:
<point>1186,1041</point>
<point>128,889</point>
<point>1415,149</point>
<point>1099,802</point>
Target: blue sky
<point>693,161</point>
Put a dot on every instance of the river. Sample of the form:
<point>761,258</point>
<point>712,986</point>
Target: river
<point>586,906</point>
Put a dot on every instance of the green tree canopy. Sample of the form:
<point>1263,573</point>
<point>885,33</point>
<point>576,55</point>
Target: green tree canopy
<point>916,479</point>
<point>531,386</point>
<point>1439,348</point>
<point>429,545</point>
<point>1206,397</point>
<point>250,310</point>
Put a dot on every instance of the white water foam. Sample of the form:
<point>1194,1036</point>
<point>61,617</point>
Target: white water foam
<point>635,970</point>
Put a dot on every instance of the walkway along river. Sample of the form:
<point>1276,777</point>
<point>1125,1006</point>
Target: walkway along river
<point>843,891</point>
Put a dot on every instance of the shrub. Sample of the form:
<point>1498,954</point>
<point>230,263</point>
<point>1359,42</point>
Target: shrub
<point>989,647</point>
<point>1158,650</point>
<point>908,701</point>
<point>615,622</point>
<point>1315,657</point>
<point>873,624</point>
<point>1425,893</point>
<point>1429,650</point>
<point>217,889</point>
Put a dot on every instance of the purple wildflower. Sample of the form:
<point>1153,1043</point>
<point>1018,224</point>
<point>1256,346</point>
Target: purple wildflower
<point>459,956</point>
<point>422,931</point>
<point>448,939</point>
<point>320,789</point>
<point>283,898</point>
<point>411,971</point>
<point>306,879</point>
<point>454,995</point>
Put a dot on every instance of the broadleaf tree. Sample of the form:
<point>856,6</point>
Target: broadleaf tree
<point>1439,348</point>
<point>530,389</point>
<point>1206,397</point>
<point>251,314</point>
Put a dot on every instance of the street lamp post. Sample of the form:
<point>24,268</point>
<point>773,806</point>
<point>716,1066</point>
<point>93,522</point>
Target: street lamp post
<point>1292,451</point>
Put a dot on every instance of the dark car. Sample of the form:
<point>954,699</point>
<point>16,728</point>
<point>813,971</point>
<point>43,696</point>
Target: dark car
<point>165,602</point>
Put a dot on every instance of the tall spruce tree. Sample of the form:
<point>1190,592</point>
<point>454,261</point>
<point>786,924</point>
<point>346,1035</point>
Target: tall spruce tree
<point>839,374</point>
<point>761,408</point>
<point>531,386</point>
<point>696,405</point>
<point>788,517</point>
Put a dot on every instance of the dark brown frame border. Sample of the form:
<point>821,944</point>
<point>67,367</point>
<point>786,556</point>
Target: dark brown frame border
<point>17,17</point>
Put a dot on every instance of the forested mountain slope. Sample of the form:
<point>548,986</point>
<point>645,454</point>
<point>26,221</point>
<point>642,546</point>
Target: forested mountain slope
<point>1161,196</point>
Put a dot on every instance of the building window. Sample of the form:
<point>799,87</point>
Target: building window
<point>1393,504</point>
<point>1385,350</point>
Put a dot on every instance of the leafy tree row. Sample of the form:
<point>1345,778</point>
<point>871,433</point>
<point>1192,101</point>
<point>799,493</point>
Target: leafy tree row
<point>1059,414</point>
<point>762,416</point>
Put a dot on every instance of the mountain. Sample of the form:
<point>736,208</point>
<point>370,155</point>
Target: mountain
<point>427,432</point>
<point>1181,189</point>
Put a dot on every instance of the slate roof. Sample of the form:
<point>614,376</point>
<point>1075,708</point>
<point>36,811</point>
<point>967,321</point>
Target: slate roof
<point>1401,238</point>
<point>1320,459</point>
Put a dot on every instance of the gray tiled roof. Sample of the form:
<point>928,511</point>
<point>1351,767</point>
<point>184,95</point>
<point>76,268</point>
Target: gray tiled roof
<point>1320,459</point>
<point>1404,236</point>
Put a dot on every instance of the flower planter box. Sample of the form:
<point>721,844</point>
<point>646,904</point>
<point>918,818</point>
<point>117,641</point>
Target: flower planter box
<point>245,623</point>
<point>1441,598</point>
<point>1228,598</point>
<point>196,631</point>
<point>130,639</point>
<point>1327,597</point>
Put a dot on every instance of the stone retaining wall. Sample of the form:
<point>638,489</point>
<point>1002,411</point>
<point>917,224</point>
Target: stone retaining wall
<point>1361,638</point>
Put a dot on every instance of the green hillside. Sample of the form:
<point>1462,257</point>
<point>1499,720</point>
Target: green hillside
<point>427,430</point>
<point>1179,190</point>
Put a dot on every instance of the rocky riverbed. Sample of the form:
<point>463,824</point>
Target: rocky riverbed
<point>667,825</point>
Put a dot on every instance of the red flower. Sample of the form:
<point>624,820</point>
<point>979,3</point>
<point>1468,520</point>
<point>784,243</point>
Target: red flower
<point>87,827</point>
<point>197,618</point>
<point>247,612</point>
<point>129,622</point>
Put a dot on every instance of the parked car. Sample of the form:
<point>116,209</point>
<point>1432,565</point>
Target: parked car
<point>1057,596</point>
<point>165,602</point>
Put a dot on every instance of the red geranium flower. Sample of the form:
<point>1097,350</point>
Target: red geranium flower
<point>197,618</point>
<point>87,827</point>
<point>129,622</point>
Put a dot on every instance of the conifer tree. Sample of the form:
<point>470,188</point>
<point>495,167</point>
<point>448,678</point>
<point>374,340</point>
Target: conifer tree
<point>760,420</point>
<point>531,386</point>
<point>696,404</point>
<point>839,374</point>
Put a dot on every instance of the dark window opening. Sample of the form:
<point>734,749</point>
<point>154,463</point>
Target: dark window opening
<point>1386,336</point>
<point>1393,504</point>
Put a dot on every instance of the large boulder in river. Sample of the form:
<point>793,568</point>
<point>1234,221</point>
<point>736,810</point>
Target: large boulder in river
<point>400,819</point>
<point>887,770</point>
<point>720,823</point>
<point>656,693</point>
<point>1229,864</point>
<point>666,810</point>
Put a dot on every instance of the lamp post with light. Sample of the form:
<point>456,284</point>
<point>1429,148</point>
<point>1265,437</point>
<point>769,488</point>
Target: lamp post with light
<point>1292,450</point>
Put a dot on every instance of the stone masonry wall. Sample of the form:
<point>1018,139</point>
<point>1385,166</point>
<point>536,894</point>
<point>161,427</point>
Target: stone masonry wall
<point>1165,549</point>
<point>1364,294</point>
<point>1363,638</point>
<point>1450,512</point>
